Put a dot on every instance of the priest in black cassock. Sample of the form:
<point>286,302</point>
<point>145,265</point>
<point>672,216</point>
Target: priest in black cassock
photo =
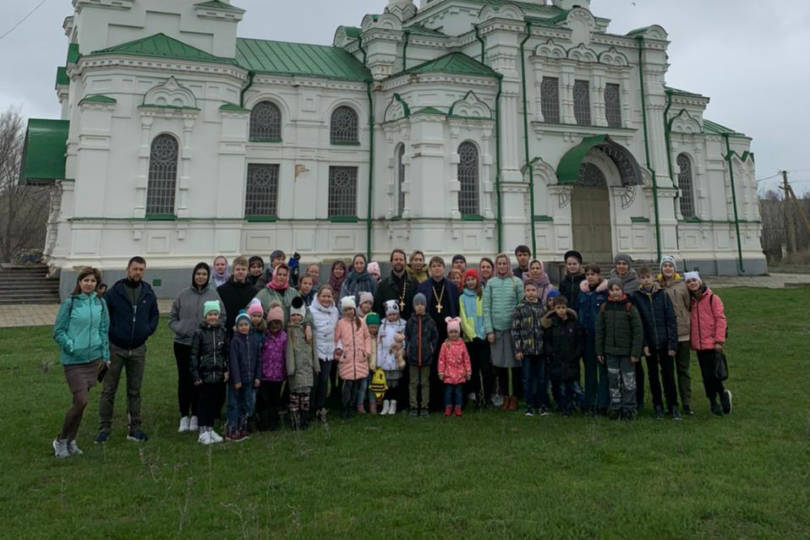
<point>442,301</point>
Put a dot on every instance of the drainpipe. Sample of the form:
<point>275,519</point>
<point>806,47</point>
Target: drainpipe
<point>729,155</point>
<point>668,138</point>
<point>647,145</point>
<point>251,76</point>
<point>481,41</point>
<point>370,154</point>
<point>405,50</point>
<point>526,133</point>
<point>498,218</point>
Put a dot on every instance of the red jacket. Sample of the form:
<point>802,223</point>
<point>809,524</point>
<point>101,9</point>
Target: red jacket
<point>454,362</point>
<point>708,321</point>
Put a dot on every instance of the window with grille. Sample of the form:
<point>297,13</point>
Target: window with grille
<point>265,123</point>
<point>261,198</point>
<point>342,191</point>
<point>468,177</point>
<point>582,103</point>
<point>686,185</point>
<point>550,99</point>
<point>591,176</point>
<point>162,176</point>
<point>343,129</point>
<point>400,179</point>
<point>613,109</point>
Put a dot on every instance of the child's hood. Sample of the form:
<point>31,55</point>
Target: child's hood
<point>602,287</point>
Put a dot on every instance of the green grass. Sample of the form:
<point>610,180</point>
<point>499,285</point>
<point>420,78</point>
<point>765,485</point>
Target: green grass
<point>487,474</point>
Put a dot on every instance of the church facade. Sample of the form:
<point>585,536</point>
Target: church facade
<point>466,126</point>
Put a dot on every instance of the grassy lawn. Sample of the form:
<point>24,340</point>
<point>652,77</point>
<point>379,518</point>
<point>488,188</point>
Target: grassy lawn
<point>489,474</point>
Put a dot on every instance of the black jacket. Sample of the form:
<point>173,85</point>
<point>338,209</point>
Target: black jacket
<point>235,296</point>
<point>657,318</point>
<point>564,341</point>
<point>391,288</point>
<point>209,354</point>
<point>569,288</point>
<point>131,326</point>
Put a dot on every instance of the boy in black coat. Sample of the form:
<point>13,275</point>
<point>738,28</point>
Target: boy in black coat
<point>660,341</point>
<point>564,339</point>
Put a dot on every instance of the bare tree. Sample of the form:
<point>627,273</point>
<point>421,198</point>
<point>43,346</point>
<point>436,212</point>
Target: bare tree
<point>23,208</point>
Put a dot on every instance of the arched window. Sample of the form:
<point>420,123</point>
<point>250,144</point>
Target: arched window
<point>686,185</point>
<point>582,103</point>
<point>468,177</point>
<point>613,105</point>
<point>591,176</point>
<point>265,123</point>
<point>343,127</point>
<point>162,176</point>
<point>400,179</point>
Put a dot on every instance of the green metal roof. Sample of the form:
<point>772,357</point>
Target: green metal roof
<point>72,54</point>
<point>569,166</point>
<point>44,151</point>
<point>718,129</point>
<point>62,78</point>
<point>353,31</point>
<point>284,58</point>
<point>455,62</point>
<point>429,110</point>
<point>679,92</point>
<point>216,4</point>
<point>232,107</point>
<point>98,98</point>
<point>163,46</point>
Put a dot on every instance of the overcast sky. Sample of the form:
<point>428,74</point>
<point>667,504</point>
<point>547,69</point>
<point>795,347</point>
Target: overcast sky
<point>749,56</point>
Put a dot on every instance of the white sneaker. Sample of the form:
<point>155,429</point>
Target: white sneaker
<point>393,408</point>
<point>386,406</point>
<point>204,437</point>
<point>215,437</point>
<point>60,448</point>
<point>497,400</point>
<point>192,424</point>
<point>74,449</point>
<point>184,424</point>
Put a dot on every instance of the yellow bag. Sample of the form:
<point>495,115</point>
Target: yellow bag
<point>378,384</point>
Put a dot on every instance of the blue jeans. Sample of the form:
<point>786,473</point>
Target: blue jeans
<point>534,368</point>
<point>361,391</point>
<point>452,392</point>
<point>238,407</point>
<point>564,395</point>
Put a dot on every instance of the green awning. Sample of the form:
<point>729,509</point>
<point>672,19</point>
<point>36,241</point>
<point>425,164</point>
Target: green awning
<point>44,151</point>
<point>571,163</point>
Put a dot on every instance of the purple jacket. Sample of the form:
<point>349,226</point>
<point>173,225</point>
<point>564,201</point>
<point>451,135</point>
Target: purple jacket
<point>273,359</point>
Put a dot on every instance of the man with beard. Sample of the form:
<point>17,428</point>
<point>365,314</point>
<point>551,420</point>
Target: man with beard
<point>397,286</point>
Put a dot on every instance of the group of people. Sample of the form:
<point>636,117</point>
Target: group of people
<point>265,341</point>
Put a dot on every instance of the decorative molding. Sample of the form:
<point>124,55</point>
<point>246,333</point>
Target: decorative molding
<point>470,106</point>
<point>684,122</point>
<point>397,109</point>
<point>550,49</point>
<point>612,57</point>
<point>170,94</point>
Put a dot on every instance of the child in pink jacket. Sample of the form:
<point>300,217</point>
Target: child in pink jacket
<point>454,366</point>
<point>352,349</point>
<point>708,337</point>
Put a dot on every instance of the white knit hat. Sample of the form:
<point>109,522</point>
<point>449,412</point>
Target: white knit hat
<point>391,306</point>
<point>347,302</point>
<point>298,307</point>
<point>692,275</point>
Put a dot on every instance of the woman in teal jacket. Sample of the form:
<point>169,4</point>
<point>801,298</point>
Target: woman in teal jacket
<point>81,331</point>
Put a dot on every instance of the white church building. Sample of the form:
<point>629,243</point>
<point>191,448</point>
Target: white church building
<point>454,126</point>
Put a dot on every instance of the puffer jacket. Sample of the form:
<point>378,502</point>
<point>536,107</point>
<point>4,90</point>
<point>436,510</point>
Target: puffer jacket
<point>187,312</point>
<point>283,297</point>
<point>421,338</point>
<point>209,354</point>
<point>681,303</point>
<point>302,359</point>
<point>629,281</point>
<point>324,320</point>
<point>657,317</point>
<point>619,331</point>
<point>709,322</point>
<point>527,334</point>
<point>570,287</point>
<point>564,342</point>
<point>81,329</point>
<point>454,362</point>
<point>501,296</point>
<point>274,350</point>
<point>355,342</point>
<point>588,304</point>
<point>244,358</point>
<point>471,312</point>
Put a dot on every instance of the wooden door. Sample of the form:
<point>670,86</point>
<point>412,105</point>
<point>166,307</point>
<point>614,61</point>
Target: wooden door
<point>590,213</point>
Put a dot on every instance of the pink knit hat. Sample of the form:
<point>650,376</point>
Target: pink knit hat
<point>453,323</point>
<point>275,314</point>
<point>255,307</point>
<point>373,268</point>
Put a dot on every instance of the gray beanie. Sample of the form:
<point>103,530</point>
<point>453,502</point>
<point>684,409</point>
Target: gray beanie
<point>419,300</point>
<point>668,259</point>
<point>623,257</point>
<point>617,282</point>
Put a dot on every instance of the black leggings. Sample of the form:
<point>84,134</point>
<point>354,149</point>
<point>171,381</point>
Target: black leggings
<point>211,397</point>
<point>713,386</point>
<point>481,382</point>
<point>187,394</point>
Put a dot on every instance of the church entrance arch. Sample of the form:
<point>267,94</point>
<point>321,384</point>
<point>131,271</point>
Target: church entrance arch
<point>590,215</point>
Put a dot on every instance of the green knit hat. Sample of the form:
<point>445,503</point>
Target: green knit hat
<point>372,318</point>
<point>209,306</point>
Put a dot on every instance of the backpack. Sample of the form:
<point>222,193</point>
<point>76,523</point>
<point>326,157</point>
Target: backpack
<point>711,304</point>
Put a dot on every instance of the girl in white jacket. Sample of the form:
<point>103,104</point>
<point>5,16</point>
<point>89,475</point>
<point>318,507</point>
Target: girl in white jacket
<point>389,354</point>
<point>324,317</point>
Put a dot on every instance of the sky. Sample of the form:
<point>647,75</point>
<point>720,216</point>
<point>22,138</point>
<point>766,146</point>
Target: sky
<point>748,56</point>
